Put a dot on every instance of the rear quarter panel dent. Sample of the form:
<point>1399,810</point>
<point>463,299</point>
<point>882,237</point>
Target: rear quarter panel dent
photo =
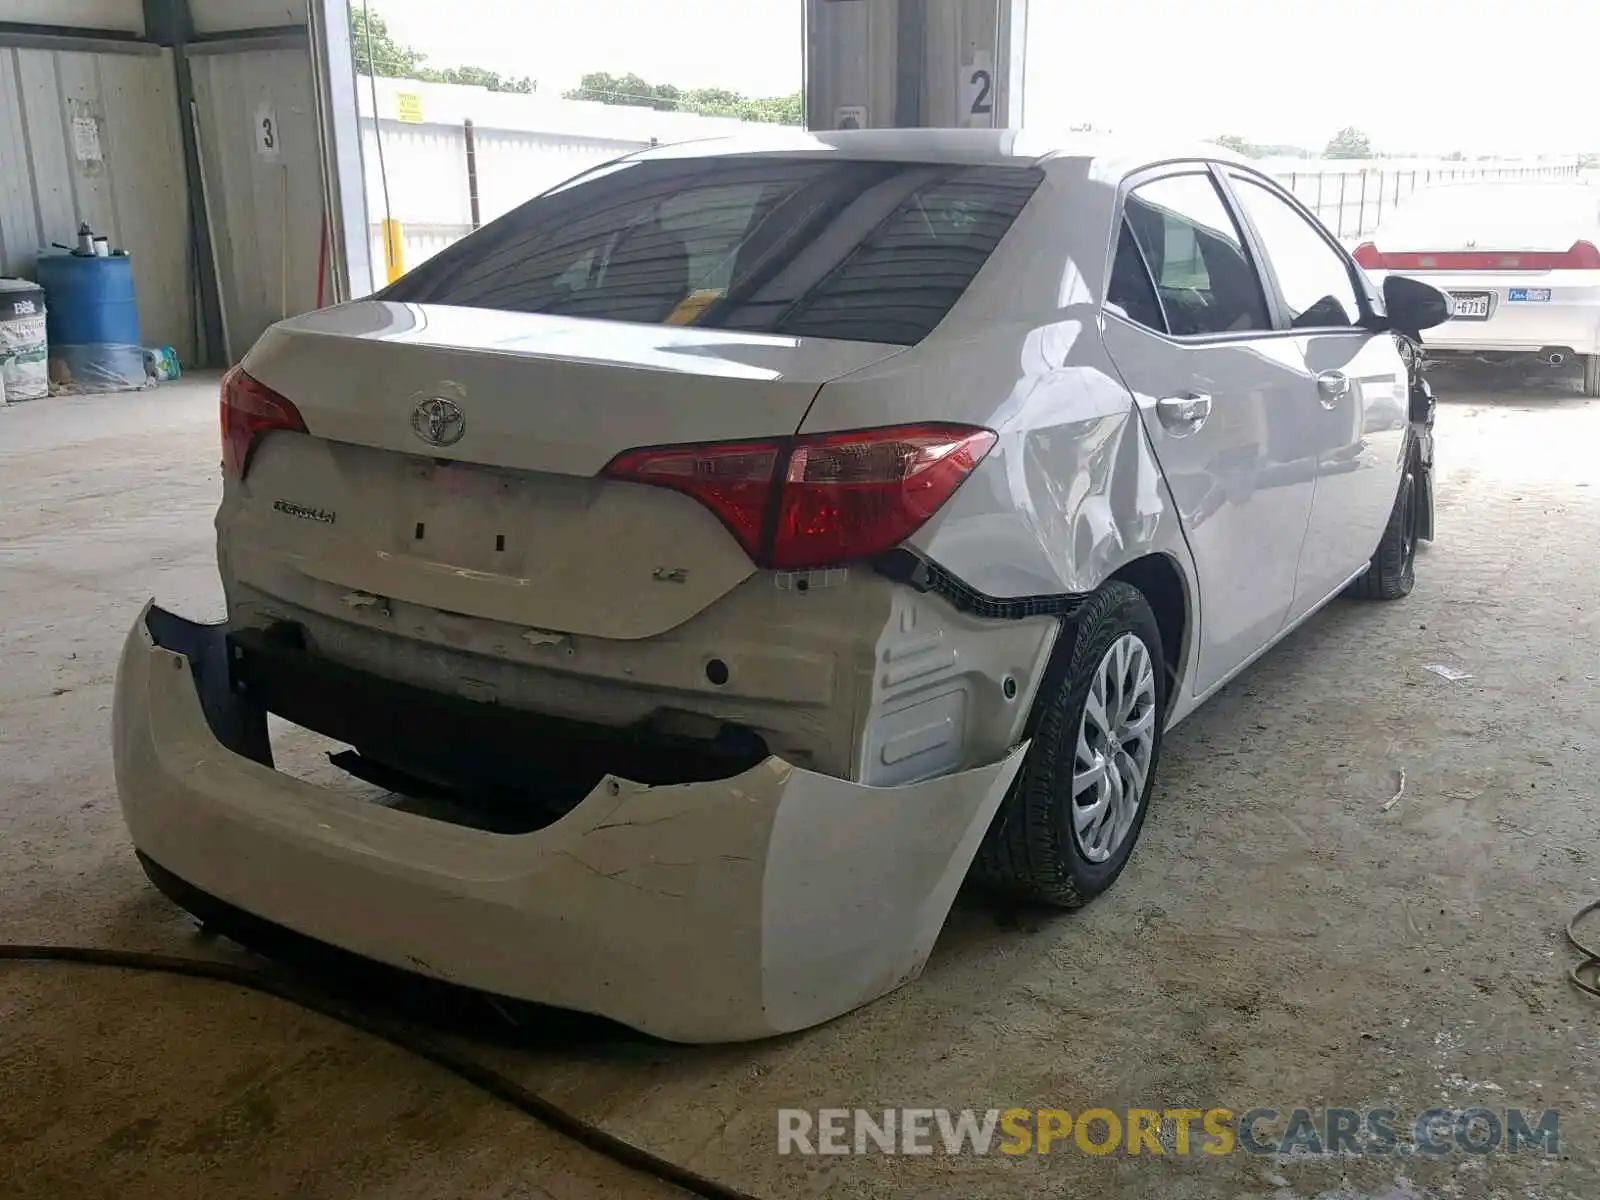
<point>1071,492</point>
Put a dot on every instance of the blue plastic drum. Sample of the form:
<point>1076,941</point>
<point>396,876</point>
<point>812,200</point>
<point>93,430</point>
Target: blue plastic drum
<point>93,320</point>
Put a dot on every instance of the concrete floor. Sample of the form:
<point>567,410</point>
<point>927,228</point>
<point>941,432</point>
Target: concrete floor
<point>1278,940</point>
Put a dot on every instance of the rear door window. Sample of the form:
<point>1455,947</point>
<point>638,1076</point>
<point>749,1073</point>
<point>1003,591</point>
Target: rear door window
<point>1205,281</point>
<point>1131,291</point>
<point>860,251</point>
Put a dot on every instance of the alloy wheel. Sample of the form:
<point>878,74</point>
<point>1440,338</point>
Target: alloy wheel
<point>1116,743</point>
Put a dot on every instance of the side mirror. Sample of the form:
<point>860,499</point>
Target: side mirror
<point>1413,306</point>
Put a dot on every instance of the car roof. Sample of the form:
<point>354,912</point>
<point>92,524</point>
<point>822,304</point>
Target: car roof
<point>1111,152</point>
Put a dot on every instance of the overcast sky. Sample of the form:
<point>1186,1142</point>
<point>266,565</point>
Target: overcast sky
<point>1431,75</point>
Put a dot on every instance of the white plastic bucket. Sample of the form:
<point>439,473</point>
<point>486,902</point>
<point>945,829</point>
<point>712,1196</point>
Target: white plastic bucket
<point>24,350</point>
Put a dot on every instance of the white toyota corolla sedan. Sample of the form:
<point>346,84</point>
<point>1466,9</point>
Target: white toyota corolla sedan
<point>719,557</point>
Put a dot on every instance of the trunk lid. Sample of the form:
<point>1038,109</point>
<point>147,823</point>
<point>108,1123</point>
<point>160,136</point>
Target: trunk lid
<point>509,522</point>
<point>542,393</point>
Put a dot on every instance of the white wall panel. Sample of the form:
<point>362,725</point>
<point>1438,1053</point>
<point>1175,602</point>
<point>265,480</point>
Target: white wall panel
<point>525,145</point>
<point>222,16</point>
<point>127,15</point>
<point>266,205</point>
<point>514,166</point>
<point>133,192</point>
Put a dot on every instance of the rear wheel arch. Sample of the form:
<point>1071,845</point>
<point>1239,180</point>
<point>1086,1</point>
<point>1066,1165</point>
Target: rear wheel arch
<point>1087,763</point>
<point>1162,583</point>
<point>1157,576</point>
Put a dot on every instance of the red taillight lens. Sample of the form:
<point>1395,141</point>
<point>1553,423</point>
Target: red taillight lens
<point>250,409</point>
<point>852,495</point>
<point>820,500</point>
<point>735,481</point>
<point>1583,256</point>
<point>1580,256</point>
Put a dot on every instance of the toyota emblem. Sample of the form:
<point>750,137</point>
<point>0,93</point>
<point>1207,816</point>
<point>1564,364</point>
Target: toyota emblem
<point>438,422</point>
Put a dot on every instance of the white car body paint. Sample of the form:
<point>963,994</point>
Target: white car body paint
<point>1569,318</point>
<point>817,880</point>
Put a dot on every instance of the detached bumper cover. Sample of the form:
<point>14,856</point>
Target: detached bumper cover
<point>705,912</point>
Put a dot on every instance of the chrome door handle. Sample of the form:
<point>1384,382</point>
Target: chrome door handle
<point>1182,415</point>
<point>1332,387</point>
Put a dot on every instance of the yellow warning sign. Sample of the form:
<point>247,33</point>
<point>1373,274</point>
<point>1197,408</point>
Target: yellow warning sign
<point>410,107</point>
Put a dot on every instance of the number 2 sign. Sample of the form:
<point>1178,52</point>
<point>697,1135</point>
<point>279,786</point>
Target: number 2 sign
<point>977,91</point>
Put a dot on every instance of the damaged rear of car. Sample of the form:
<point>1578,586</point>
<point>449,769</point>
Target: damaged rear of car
<point>556,532</point>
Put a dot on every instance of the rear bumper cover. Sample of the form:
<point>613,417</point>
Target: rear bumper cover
<point>705,912</point>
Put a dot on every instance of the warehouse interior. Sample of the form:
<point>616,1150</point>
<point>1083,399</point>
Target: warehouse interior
<point>1353,892</point>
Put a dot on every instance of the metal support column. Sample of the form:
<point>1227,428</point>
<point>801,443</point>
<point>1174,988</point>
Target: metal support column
<point>170,23</point>
<point>333,73</point>
<point>915,63</point>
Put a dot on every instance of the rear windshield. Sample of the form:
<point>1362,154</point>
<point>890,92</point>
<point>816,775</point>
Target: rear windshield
<point>860,251</point>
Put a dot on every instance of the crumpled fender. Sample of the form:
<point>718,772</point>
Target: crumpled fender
<point>1070,493</point>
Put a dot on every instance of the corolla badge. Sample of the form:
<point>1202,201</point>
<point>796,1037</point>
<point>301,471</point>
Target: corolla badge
<point>438,421</point>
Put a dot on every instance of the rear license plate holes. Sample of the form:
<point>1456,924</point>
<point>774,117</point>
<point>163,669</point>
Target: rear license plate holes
<point>1470,306</point>
<point>460,515</point>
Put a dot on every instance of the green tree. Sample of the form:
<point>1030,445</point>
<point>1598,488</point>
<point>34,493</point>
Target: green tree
<point>1349,142</point>
<point>1251,149</point>
<point>776,110</point>
<point>629,89</point>
<point>484,78</point>
<point>606,88</point>
<point>385,55</point>
<point>1239,145</point>
<point>377,50</point>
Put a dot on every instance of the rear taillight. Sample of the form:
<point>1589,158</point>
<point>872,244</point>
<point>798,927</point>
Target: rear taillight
<point>735,481</point>
<point>249,409</point>
<point>816,501</point>
<point>1580,256</point>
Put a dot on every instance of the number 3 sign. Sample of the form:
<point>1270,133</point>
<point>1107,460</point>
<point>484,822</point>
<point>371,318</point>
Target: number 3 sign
<point>266,132</point>
<point>977,91</point>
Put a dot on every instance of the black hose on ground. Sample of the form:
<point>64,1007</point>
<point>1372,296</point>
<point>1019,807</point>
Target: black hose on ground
<point>463,1066</point>
<point>503,1087</point>
<point>1590,966</point>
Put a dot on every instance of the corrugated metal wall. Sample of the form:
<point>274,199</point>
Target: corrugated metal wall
<point>95,14</point>
<point>92,137</point>
<point>221,16</point>
<point>264,184</point>
<point>516,164</point>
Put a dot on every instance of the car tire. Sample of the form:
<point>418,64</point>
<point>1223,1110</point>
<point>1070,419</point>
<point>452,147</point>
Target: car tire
<point>1393,571</point>
<point>1591,374</point>
<point>1037,849</point>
